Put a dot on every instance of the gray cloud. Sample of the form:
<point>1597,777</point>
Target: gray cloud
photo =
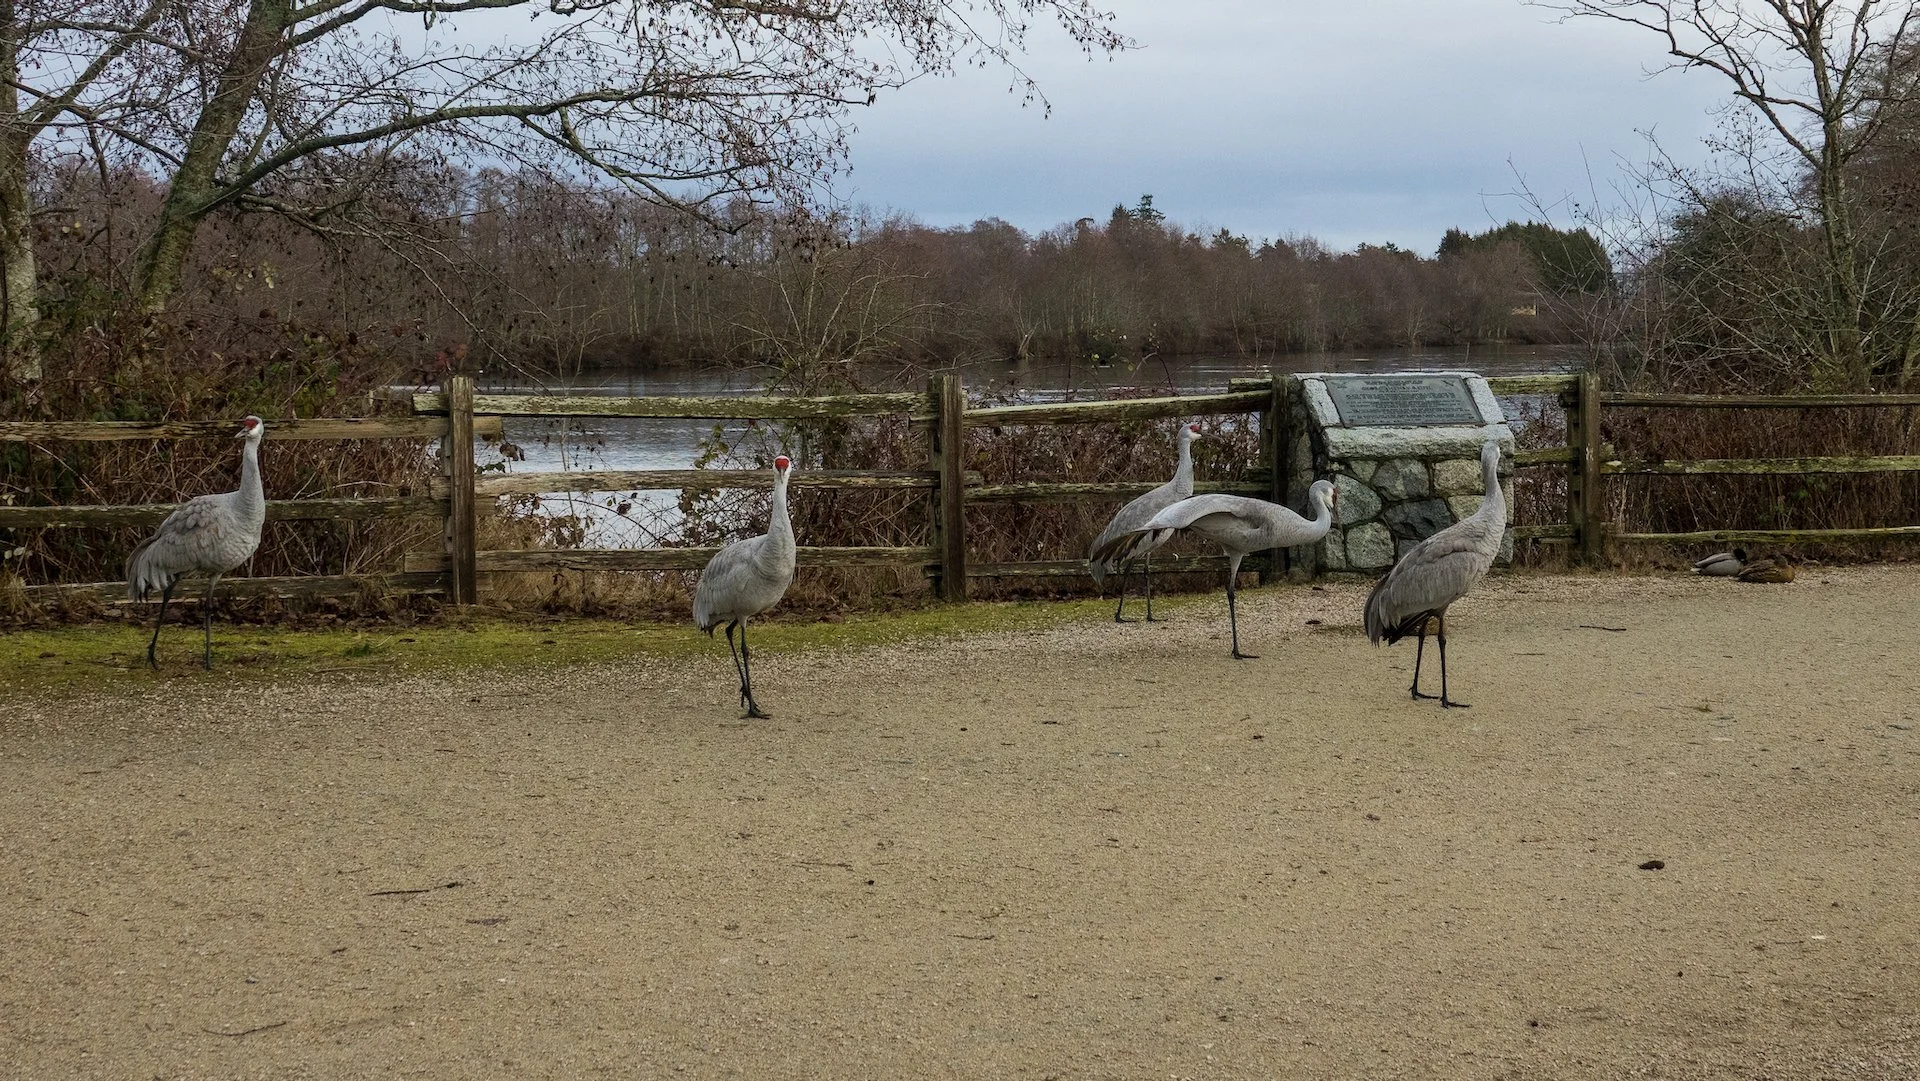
<point>1366,120</point>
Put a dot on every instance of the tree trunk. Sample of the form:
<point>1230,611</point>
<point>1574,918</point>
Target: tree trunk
<point>19,280</point>
<point>194,190</point>
<point>1844,334</point>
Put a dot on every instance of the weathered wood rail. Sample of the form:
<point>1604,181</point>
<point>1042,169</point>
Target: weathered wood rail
<point>1589,461</point>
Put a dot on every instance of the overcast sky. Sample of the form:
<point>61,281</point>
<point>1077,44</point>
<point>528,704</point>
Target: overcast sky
<point>1347,120</point>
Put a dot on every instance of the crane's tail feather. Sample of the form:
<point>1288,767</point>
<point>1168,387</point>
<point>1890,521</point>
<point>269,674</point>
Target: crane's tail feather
<point>1379,629</point>
<point>142,576</point>
<point>1115,554</point>
<point>1384,624</point>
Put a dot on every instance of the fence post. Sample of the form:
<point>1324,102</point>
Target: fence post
<point>458,453</point>
<point>1275,447</point>
<point>950,523</point>
<point>1585,508</point>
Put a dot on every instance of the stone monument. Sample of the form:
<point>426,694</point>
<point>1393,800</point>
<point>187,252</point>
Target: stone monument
<point>1403,449</point>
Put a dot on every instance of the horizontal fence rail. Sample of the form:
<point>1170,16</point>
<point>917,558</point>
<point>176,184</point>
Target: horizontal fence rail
<point>50,431</point>
<point>278,510</point>
<point>745,407</point>
<point>1763,467</point>
<point>1520,385</point>
<point>640,480</point>
<point>1040,492</point>
<point>667,559</point>
<point>1756,401</point>
<point>1781,536</point>
<point>1067,568</point>
<point>1243,401</point>
<point>287,587</point>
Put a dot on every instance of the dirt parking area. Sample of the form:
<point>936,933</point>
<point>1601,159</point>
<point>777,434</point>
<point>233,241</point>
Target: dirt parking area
<point>1093,851</point>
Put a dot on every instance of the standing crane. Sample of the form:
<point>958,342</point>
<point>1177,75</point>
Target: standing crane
<point>746,578</point>
<point>1239,525</point>
<point>208,534</point>
<point>1135,515</point>
<point>1438,571</point>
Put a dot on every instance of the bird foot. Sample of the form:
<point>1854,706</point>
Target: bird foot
<point>754,713</point>
<point>1447,703</point>
<point>1158,619</point>
<point>1239,656</point>
<point>1428,697</point>
<point>1123,619</point>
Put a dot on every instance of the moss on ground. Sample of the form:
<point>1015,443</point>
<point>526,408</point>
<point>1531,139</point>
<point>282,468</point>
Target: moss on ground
<point>97,656</point>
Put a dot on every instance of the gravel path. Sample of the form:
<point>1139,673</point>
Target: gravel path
<point>1090,852</point>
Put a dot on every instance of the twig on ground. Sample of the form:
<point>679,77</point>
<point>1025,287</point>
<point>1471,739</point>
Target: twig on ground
<point>423,889</point>
<point>242,1032</point>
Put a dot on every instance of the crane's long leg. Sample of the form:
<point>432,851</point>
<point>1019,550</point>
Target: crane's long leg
<point>746,666</point>
<point>206,624</point>
<point>738,672</point>
<point>1117,617</point>
<point>1444,700</point>
<point>165,596</point>
<point>1419,651</point>
<point>1233,614</point>
<point>1150,618</point>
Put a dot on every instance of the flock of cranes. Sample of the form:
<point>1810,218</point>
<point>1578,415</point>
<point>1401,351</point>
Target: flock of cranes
<point>213,534</point>
<point>749,576</point>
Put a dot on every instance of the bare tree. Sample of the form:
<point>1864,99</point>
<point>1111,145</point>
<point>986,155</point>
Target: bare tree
<point>297,107</point>
<point>1821,74</point>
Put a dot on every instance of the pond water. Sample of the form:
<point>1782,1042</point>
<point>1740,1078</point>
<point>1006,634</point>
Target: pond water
<point>650,518</point>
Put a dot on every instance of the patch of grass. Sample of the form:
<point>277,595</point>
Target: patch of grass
<point>365,647</point>
<point>104,656</point>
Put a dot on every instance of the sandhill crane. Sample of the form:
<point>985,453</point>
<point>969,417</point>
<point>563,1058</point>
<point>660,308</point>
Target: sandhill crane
<point>1136,514</point>
<point>210,535</point>
<point>1239,525</point>
<point>1722,564</point>
<point>745,579</point>
<point>1438,571</point>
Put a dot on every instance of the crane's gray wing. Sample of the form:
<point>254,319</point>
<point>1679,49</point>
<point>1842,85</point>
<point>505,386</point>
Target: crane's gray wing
<point>737,583</point>
<point>1432,575</point>
<point>721,581</point>
<point>186,543</point>
<point>1183,514</point>
<point>1127,521</point>
<point>1238,522</point>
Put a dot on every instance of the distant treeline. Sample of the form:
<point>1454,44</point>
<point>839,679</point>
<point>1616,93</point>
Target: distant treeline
<point>498,269</point>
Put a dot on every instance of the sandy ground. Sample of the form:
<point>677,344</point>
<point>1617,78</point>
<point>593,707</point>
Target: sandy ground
<point>1089,852</point>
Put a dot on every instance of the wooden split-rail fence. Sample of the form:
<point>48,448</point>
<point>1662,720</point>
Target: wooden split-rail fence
<point>457,415</point>
<point>1588,461</point>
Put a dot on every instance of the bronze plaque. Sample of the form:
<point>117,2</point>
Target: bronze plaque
<point>1403,401</point>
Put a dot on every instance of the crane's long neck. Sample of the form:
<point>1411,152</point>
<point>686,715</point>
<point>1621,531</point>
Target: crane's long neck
<point>251,499</point>
<point>1183,473</point>
<point>1493,508</point>
<point>779,525</point>
<point>1322,519</point>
